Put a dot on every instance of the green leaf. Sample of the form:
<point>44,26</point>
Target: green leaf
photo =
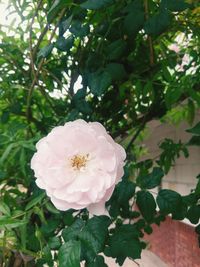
<point>56,7</point>
<point>133,22</point>
<point>116,49</point>
<point>116,71</point>
<point>2,175</point>
<point>191,112</point>
<point>7,152</point>
<point>194,141</point>
<point>69,254</point>
<point>72,231</point>
<point>49,228</point>
<point>119,201</point>
<point>124,242</point>
<point>4,208</point>
<point>169,201</point>
<point>51,208</point>
<point>35,201</point>
<point>146,204</point>
<point>96,4</point>
<point>47,256</point>
<point>151,180</point>
<point>158,23</point>
<point>195,129</point>
<point>64,25</point>
<point>54,242</point>
<point>45,51</point>
<point>10,223</point>
<point>68,218</point>
<point>79,29</point>
<point>80,102</point>
<point>181,212</point>
<point>5,116</point>
<point>64,44</point>
<point>197,189</point>
<point>98,82</point>
<point>194,214</point>
<point>174,5</point>
<point>172,95</point>
<point>98,262</point>
<point>148,229</point>
<point>93,236</point>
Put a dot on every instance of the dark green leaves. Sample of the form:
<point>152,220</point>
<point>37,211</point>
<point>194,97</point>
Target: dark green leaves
<point>133,22</point>
<point>78,29</point>
<point>35,201</point>
<point>151,180</point>
<point>73,231</point>
<point>4,208</point>
<point>98,82</point>
<point>195,130</point>
<point>10,223</point>
<point>158,23</point>
<point>64,44</point>
<point>116,49</point>
<point>69,254</point>
<point>172,95</point>
<point>54,242</point>
<point>194,214</point>
<point>64,25</point>
<point>96,4</point>
<point>174,5</point>
<point>134,18</point>
<point>169,201</point>
<point>195,140</point>
<point>124,243</point>
<point>146,204</point>
<point>45,51</point>
<point>98,262</point>
<point>56,7</point>
<point>116,71</point>
<point>80,102</point>
<point>119,202</point>
<point>93,236</point>
<point>104,43</point>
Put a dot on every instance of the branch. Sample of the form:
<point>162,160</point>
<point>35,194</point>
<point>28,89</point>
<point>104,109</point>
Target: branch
<point>140,128</point>
<point>35,80</point>
<point>146,8</point>
<point>30,37</point>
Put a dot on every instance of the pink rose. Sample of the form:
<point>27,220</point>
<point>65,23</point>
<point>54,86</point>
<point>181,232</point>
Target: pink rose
<point>78,165</point>
<point>174,47</point>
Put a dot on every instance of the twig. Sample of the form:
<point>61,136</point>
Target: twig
<point>140,128</point>
<point>43,33</point>
<point>42,90</point>
<point>59,82</point>
<point>30,38</point>
<point>35,80</point>
<point>146,8</point>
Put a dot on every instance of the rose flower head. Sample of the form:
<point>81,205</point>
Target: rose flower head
<point>78,165</point>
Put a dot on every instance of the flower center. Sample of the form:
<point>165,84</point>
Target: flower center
<point>79,161</point>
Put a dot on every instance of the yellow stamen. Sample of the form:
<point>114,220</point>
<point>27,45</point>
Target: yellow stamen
<point>79,161</point>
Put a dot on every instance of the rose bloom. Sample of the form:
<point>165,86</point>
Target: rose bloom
<point>78,165</point>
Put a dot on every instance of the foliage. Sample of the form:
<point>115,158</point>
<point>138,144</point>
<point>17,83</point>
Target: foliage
<point>100,60</point>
